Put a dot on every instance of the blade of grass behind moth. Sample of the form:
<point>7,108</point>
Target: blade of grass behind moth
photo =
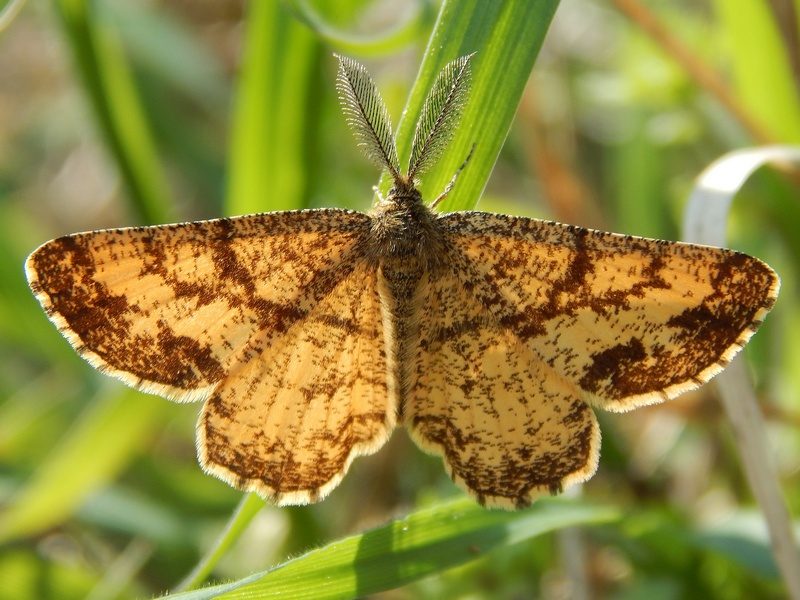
<point>268,165</point>
<point>367,115</point>
<point>761,67</point>
<point>167,49</point>
<point>108,81</point>
<point>9,12</point>
<point>180,70</point>
<point>637,168</point>
<point>507,37</point>
<point>440,113</point>
<point>705,217</point>
<point>117,422</point>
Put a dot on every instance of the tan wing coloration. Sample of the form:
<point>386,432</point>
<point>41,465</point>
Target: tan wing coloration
<point>630,321</point>
<point>305,401</point>
<point>508,426</point>
<point>167,309</point>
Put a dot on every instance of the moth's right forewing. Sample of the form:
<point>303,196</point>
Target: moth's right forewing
<point>630,321</point>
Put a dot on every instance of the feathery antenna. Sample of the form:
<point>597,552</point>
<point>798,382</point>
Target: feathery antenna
<point>366,113</point>
<point>440,114</point>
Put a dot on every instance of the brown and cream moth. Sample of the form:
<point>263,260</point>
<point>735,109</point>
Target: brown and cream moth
<point>310,334</point>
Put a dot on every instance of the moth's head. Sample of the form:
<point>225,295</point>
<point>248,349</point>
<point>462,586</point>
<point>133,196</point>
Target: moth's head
<point>404,190</point>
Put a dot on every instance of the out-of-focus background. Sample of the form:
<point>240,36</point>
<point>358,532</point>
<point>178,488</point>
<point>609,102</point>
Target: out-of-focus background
<point>628,102</point>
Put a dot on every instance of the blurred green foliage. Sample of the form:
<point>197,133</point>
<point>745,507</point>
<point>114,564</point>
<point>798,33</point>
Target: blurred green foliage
<point>117,113</point>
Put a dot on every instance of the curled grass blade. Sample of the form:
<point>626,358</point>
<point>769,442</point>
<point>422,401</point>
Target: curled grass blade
<point>412,21</point>
<point>704,222</point>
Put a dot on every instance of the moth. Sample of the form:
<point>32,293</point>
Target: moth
<point>309,335</point>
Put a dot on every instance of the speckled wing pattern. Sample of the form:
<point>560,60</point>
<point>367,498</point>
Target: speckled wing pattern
<point>536,320</point>
<point>279,323</point>
<point>270,318</point>
<point>301,403</point>
<point>509,427</point>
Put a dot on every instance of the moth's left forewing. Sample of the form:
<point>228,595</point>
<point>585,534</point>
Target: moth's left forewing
<point>168,309</point>
<point>630,321</point>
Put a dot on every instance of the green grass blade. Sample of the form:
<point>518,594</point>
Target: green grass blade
<point>267,168</point>
<point>637,171</point>
<point>112,429</point>
<point>507,37</point>
<point>109,83</point>
<point>404,551</point>
<point>762,71</point>
<point>164,50</point>
<point>248,508</point>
